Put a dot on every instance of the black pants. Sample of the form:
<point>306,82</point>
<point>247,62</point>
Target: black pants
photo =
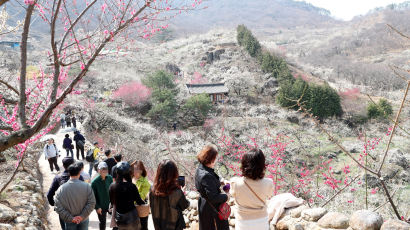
<point>103,219</point>
<point>62,224</point>
<point>70,150</point>
<point>144,223</point>
<point>78,152</point>
<point>75,124</point>
<point>53,162</point>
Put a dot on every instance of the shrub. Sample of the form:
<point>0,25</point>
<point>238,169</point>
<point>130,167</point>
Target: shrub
<point>248,41</point>
<point>321,100</point>
<point>160,80</point>
<point>198,106</point>
<point>382,109</point>
<point>324,101</point>
<point>289,92</point>
<point>164,92</point>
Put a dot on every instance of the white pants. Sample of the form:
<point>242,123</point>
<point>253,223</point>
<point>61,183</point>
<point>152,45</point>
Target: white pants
<point>256,224</point>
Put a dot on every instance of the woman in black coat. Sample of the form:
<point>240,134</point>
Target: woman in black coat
<point>68,145</point>
<point>208,185</point>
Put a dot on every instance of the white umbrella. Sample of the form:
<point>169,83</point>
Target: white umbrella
<point>48,136</point>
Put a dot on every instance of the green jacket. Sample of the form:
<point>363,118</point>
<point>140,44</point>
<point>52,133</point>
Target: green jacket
<point>100,188</point>
<point>143,187</point>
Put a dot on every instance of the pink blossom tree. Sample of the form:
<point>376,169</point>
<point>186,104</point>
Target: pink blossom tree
<point>132,93</point>
<point>81,32</point>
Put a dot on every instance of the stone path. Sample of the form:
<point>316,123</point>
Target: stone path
<point>48,178</point>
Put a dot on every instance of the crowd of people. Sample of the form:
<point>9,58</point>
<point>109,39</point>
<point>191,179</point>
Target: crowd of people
<point>122,190</point>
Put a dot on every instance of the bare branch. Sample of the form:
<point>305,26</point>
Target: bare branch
<point>397,31</point>
<point>338,192</point>
<point>394,127</point>
<point>3,2</point>
<point>10,87</point>
<point>8,128</point>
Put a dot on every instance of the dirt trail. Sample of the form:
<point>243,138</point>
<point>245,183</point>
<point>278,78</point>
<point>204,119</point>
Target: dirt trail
<point>48,178</point>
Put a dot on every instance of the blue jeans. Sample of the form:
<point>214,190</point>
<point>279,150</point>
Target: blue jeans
<point>81,226</point>
<point>90,171</point>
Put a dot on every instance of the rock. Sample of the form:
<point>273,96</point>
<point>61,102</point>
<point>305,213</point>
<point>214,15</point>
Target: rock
<point>365,220</point>
<point>334,220</point>
<point>284,223</point>
<point>397,157</point>
<point>193,204</point>
<point>392,224</point>
<point>6,214</point>
<point>313,214</point>
<point>6,227</point>
<point>293,119</point>
<point>296,212</point>
<point>209,57</point>
<point>217,54</point>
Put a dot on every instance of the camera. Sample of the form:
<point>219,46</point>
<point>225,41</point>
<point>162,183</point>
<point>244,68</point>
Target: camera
<point>181,181</point>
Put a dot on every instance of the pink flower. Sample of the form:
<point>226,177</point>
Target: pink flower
<point>82,66</point>
<point>374,190</point>
<point>350,201</point>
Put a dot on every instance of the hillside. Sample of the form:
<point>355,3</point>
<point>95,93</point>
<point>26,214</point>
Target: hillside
<point>251,112</point>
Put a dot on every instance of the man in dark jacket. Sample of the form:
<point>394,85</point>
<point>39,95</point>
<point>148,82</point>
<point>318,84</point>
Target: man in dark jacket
<point>208,185</point>
<point>58,181</point>
<point>79,144</point>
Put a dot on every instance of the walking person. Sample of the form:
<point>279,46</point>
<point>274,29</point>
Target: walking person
<point>74,201</point>
<point>208,184</point>
<point>140,179</point>
<point>96,151</point>
<point>62,120</point>
<point>167,200</point>
<point>123,196</point>
<point>117,158</point>
<point>51,154</point>
<point>100,186</point>
<point>79,144</point>
<point>74,121</point>
<point>68,119</point>
<point>111,162</point>
<point>251,192</point>
<point>68,145</point>
<point>57,182</point>
<point>83,173</point>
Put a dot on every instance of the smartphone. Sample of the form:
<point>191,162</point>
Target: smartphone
<point>181,181</point>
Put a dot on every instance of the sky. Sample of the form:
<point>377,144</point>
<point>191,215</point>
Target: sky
<point>347,9</point>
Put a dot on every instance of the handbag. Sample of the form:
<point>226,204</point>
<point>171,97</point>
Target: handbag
<point>127,218</point>
<point>80,143</point>
<point>224,210</point>
<point>143,210</point>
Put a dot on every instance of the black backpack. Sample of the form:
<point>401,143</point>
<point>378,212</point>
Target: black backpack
<point>90,156</point>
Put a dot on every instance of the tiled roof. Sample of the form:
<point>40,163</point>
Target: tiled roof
<point>212,88</point>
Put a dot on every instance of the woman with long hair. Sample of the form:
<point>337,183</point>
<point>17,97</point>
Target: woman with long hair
<point>140,180</point>
<point>208,184</point>
<point>251,192</point>
<point>167,200</point>
<point>123,196</point>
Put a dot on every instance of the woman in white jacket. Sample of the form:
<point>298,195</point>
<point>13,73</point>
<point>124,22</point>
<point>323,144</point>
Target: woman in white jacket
<point>51,154</point>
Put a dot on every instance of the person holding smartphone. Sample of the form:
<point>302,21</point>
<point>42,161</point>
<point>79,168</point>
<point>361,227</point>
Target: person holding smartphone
<point>167,200</point>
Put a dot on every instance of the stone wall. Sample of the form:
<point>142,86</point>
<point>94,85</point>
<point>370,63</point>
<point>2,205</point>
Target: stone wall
<point>305,218</point>
<point>23,205</point>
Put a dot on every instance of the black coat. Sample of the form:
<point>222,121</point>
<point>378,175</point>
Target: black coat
<point>208,185</point>
<point>67,143</point>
